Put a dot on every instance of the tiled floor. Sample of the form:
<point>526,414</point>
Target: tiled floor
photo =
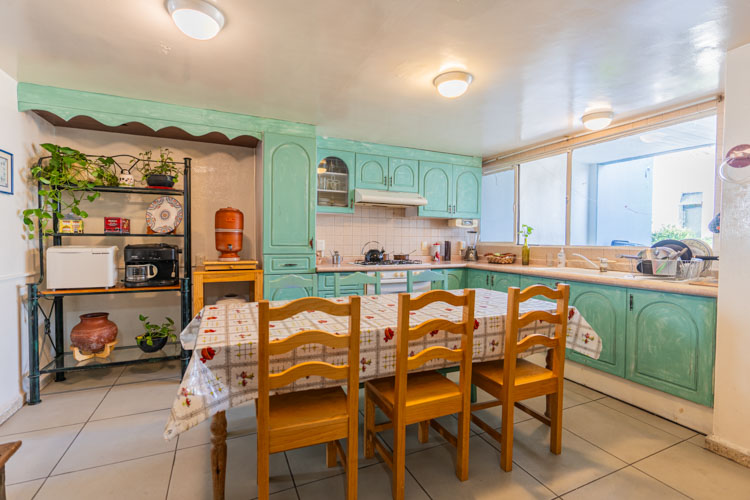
<point>99,435</point>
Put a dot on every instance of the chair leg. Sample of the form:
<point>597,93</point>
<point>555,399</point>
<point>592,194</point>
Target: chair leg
<point>369,443</point>
<point>331,454</point>
<point>556,411</point>
<point>424,431</point>
<point>399,461</point>
<point>263,474</point>
<point>506,446</point>
<point>462,448</point>
<point>352,460</point>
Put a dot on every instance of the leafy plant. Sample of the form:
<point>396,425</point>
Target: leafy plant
<point>66,179</point>
<point>163,166</point>
<point>671,232</point>
<point>153,331</point>
<point>525,232</point>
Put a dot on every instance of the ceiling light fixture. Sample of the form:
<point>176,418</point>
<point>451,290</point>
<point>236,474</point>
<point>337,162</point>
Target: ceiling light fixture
<point>597,120</point>
<point>196,18</point>
<point>453,83</point>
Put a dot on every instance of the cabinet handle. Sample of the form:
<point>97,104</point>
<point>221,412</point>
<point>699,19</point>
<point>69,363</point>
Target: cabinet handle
<point>487,280</point>
<point>311,245</point>
<point>631,301</point>
<point>493,280</point>
<point>289,264</point>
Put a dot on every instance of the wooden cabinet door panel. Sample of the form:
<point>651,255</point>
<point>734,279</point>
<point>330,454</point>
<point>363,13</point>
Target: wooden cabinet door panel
<point>502,281</point>
<point>372,172</point>
<point>404,175</point>
<point>467,194</point>
<point>435,181</point>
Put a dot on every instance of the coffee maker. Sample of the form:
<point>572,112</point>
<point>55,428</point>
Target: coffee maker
<point>151,265</point>
<point>471,248</point>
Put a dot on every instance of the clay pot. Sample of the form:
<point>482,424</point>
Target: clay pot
<point>229,223</point>
<point>93,332</point>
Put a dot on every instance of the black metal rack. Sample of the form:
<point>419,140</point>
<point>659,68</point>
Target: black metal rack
<point>120,356</point>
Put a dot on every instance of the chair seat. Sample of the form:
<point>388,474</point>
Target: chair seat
<point>428,395</point>
<point>490,374</point>
<point>300,416</point>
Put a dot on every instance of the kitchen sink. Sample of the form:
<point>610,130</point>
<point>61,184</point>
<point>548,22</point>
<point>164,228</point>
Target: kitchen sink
<point>590,272</point>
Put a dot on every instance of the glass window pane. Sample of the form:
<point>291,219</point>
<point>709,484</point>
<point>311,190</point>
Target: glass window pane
<point>541,199</point>
<point>498,196</point>
<point>647,187</point>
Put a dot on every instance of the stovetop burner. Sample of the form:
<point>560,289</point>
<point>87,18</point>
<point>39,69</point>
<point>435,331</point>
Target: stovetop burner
<point>388,263</point>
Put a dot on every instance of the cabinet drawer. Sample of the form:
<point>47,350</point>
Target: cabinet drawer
<point>287,264</point>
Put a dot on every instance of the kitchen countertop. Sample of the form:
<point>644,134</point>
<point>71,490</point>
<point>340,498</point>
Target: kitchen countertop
<point>613,278</point>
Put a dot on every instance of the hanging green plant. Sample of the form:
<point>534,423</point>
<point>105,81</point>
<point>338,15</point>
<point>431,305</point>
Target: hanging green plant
<point>67,177</point>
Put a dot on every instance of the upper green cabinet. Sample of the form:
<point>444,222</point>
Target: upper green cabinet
<point>336,181</point>
<point>288,194</point>
<point>451,190</point>
<point>403,175</point>
<point>372,171</point>
<point>670,343</point>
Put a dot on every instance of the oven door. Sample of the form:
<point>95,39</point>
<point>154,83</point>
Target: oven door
<point>395,282</point>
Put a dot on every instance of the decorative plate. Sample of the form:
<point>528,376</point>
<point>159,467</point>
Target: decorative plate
<point>164,214</point>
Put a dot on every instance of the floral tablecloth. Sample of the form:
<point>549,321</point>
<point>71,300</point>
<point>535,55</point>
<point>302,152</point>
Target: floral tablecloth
<point>221,373</point>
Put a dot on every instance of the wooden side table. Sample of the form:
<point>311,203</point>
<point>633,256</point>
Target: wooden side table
<point>201,276</point>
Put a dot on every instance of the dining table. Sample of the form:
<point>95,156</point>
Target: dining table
<point>223,338</point>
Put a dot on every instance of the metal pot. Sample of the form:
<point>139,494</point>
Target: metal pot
<point>375,255</point>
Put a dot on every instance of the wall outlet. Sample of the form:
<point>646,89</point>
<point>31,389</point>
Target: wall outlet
<point>425,245</point>
<point>461,245</point>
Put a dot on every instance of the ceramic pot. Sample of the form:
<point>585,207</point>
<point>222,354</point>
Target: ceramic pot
<point>229,223</point>
<point>126,179</point>
<point>93,332</point>
<point>158,343</point>
<point>159,180</point>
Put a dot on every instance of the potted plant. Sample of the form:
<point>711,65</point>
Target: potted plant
<point>158,173</point>
<point>66,178</point>
<point>155,337</point>
<point>525,232</point>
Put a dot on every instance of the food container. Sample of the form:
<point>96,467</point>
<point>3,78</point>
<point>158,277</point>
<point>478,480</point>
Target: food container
<point>70,226</point>
<point>74,266</point>
<point>116,225</point>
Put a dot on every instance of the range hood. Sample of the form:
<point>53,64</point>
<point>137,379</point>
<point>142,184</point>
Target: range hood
<point>388,198</point>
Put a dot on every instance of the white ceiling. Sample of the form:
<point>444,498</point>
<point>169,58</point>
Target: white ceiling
<point>363,69</point>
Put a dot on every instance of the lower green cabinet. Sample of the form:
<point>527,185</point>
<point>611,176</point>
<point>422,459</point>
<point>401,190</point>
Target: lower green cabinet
<point>478,279</point>
<point>456,280</point>
<point>670,343</point>
<point>289,286</point>
<point>500,282</point>
<point>325,286</point>
<point>527,281</point>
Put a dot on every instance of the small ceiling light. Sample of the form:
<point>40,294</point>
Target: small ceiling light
<point>597,120</point>
<point>196,18</point>
<point>453,83</point>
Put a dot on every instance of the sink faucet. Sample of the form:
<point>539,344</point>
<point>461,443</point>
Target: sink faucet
<point>603,262</point>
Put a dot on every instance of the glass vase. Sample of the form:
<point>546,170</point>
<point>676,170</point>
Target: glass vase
<point>525,253</point>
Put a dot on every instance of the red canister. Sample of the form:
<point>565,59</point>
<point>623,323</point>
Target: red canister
<point>229,223</point>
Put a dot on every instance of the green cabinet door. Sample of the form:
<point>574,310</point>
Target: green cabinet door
<point>478,279</point>
<point>670,343</point>
<point>404,175</point>
<point>288,194</point>
<point>372,172</point>
<point>289,287</point>
<point>436,184</point>
<point>467,191</point>
<point>342,178</point>
<point>527,281</point>
<point>604,308</point>
<point>502,281</point>
<point>456,280</point>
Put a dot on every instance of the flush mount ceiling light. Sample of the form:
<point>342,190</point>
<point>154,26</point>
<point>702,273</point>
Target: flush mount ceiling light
<point>453,83</point>
<point>196,18</point>
<point>597,120</point>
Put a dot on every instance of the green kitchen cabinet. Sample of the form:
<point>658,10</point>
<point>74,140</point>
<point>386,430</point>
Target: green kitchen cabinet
<point>456,280</point>
<point>527,281</point>
<point>500,282</point>
<point>403,175</point>
<point>604,308</point>
<point>289,286</point>
<point>477,278</point>
<point>326,288</point>
<point>289,182</point>
<point>335,181</point>
<point>467,192</point>
<point>670,343</point>
<point>436,185</point>
<point>372,172</point>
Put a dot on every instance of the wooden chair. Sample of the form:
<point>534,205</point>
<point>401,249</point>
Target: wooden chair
<point>511,380</point>
<point>421,397</point>
<point>355,279</point>
<point>432,276</point>
<point>6,451</point>
<point>304,418</point>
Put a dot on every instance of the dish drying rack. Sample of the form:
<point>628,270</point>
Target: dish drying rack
<point>666,269</point>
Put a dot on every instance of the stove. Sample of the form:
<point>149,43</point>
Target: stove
<point>388,263</point>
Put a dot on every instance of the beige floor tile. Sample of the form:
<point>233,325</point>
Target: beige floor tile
<point>583,390</point>
<point>144,479</point>
<point>698,473</point>
<point>434,469</point>
<point>698,440</point>
<point>74,381</point>
<point>191,476</point>
<point>39,452</point>
<point>625,484</point>
<point>374,482</point>
<point>290,494</point>
<point>579,463</point>
<point>23,491</point>
<point>625,437</point>
<point>570,399</point>
<point>649,418</point>
<point>55,410</point>
<point>137,398</point>
<point>240,422</point>
<point>412,438</point>
<point>103,442</point>
<point>150,371</point>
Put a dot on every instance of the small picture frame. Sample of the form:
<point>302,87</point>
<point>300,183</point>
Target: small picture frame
<point>6,172</point>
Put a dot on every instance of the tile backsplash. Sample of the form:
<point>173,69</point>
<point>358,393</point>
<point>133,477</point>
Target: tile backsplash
<point>398,233</point>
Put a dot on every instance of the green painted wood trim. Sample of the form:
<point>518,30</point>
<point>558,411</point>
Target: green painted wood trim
<point>114,111</point>
<point>398,152</point>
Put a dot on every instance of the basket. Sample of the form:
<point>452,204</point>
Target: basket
<point>506,258</point>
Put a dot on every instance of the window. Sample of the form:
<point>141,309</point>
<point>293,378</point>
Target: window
<point>498,200</point>
<point>541,199</point>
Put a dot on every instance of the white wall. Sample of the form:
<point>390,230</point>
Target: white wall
<point>19,135</point>
<point>732,400</point>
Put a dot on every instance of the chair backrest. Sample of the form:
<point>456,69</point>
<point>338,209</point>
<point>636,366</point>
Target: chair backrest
<point>358,278</point>
<point>426,275</point>
<point>406,362</point>
<point>267,348</point>
<point>514,323</point>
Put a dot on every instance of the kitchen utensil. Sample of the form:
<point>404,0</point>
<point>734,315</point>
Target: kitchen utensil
<point>336,258</point>
<point>161,256</point>
<point>446,251</point>
<point>675,245</point>
<point>137,273</point>
<point>702,250</point>
<point>435,252</point>
<point>402,256</point>
<point>471,248</point>
<point>164,215</point>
